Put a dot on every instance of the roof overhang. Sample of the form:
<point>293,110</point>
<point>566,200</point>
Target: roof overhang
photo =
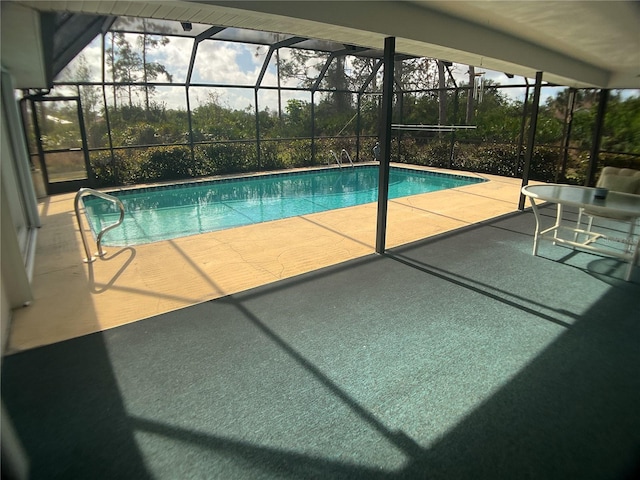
<point>577,43</point>
<point>580,43</point>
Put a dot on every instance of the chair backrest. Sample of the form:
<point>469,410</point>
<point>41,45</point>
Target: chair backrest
<point>625,180</point>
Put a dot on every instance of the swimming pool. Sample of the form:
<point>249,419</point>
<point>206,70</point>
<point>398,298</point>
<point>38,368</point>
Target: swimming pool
<point>165,212</point>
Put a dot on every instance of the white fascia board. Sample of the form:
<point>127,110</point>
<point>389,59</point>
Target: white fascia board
<point>418,29</point>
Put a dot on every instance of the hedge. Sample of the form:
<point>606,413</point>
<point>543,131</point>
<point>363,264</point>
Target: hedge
<point>152,164</point>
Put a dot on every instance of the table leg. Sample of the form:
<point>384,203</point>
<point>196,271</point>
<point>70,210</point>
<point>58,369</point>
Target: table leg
<point>536,215</point>
<point>559,212</point>
<point>632,261</point>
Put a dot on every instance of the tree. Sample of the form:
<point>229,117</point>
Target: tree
<point>442,94</point>
<point>129,67</point>
<point>298,118</point>
<point>305,66</point>
<point>622,125</point>
<point>151,70</point>
<point>418,74</point>
<point>117,40</point>
<point>80,71</point>
<point>469,117</point>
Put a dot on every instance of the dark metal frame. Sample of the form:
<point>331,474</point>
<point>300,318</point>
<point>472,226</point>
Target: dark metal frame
<point>68,185</point>
<point>215,33</point>
<point>385,143</point>
<point>531,142</point>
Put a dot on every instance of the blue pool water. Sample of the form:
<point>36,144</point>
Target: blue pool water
<point>165,212</point>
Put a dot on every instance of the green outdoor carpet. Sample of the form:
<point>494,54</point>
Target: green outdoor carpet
<point>457,357</point>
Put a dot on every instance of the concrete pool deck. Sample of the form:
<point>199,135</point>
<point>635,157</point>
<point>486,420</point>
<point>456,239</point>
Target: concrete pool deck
<point>72,298</point>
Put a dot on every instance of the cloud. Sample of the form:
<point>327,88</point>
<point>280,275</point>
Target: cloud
<point>91,55</point>
<point>229,63</point>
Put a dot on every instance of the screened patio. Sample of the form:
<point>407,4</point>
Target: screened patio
<point>454,354</point>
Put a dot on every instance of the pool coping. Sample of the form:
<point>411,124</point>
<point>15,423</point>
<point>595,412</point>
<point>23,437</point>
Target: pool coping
<point>136,283</point>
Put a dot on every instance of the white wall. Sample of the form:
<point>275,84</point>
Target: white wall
<point>15,288</point>
<point>14,224</point>
<point>22,46</point>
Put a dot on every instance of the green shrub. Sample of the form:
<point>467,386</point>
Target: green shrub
<point>619,160</point>
<point>494,159</point>
<point>295,153</point>
<point>438,153</point>
<point>286,154</point>
<point>223,158</point>
<point>122,169</point>
<point>136,134</point>
<point>544,164</point>
<point>103,169</point>
<point>426,152</point>
<point>269,158</point>
<point>167,163</point>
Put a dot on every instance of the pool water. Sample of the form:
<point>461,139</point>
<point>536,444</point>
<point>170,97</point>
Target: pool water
<point>166,212</point>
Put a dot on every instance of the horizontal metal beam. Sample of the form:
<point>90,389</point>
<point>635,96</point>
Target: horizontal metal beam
<point>288,42</point>
<point>208,33</point>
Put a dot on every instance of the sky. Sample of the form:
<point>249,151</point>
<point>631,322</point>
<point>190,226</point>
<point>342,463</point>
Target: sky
<point>216,62</point>
<point>237,63</point>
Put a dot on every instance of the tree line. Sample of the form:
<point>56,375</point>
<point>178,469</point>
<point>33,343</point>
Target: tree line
<point>347,105</point>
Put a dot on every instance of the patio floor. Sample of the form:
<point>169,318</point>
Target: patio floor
<point>74,299</point>
<point>460,356</point>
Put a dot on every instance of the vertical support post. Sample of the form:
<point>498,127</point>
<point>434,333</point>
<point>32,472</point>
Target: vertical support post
<point>106,106</point>
<point>397,76</point>
<point>85,145</point>
<point>401,117</point>
<point>190,122</point>
<point>358,126</point>
<point>38,135</point>
<point>566,134</point>
<point>385,143</point>
<point>192,60</point>
<point>453,130</point>
<point>257,128</point>
<point>532,135</point>
<point>455,114</point>
<point>279,86</point>
<point>523,124</point>
<point>256,87</point>
<point>363,88</point>
<point>313,129</point>
<point>597,138</point>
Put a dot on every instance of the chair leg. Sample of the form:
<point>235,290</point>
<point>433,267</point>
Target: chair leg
<point>633,260</point>
<point>632,228</point>
<point>578,224</point>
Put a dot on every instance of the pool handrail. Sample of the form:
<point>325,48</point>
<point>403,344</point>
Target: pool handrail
<point>331,152</point>
<point>344,152</point>
<point>83,192</point>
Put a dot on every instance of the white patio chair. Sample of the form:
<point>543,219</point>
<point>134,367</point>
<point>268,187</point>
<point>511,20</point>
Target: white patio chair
<point>624,180</point>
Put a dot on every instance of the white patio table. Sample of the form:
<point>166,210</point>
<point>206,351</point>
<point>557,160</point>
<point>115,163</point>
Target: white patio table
<point>615,205</point>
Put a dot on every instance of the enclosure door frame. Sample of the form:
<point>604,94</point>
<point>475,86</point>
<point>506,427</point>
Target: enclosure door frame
<point>61,186</point>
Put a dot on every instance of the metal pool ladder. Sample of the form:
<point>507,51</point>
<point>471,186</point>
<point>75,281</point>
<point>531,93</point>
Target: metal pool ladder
<point>83,192</point>
<point>343,153</point>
